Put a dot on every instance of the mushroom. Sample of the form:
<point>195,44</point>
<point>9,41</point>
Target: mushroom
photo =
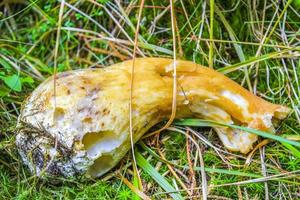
<point>82,126</point>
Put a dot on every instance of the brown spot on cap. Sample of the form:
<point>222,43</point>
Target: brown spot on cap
<point>87,120</point>
<point>105,111</point>
<point>59,113</point>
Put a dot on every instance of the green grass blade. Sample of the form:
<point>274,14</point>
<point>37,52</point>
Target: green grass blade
<point>147,167</point>
<point>250,61</point>
<point>230,172</point>
<point>205,123</point>
<point>135,184</point>
<point>292,149</point>
<point>232,35</point>
<point>211,33</point>
<point>236,46</point>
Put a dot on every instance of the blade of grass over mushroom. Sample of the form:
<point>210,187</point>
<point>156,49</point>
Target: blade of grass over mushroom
<point>208,123</point>
<point>149,169</point>
<point>137,178</point>
<point>61,12</point>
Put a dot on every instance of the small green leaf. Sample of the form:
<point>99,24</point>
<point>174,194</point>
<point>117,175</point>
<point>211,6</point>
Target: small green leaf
<point>13,82</point>
<point>27,79</point>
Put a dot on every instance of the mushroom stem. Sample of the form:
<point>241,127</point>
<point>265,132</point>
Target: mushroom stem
<point>89,118</point>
